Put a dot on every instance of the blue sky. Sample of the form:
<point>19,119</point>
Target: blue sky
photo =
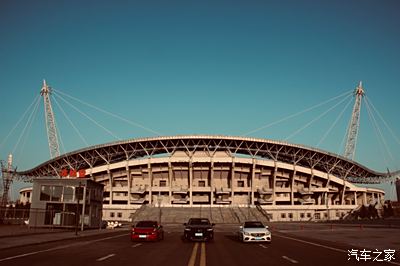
<point>201,67</point>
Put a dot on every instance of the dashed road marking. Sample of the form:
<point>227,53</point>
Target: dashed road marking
<point>57,248</point>
<point>327,247</point>
<point>289,259</point>
<point>105,257</point>
<point>314,244</point>
<point>136,245</point>
<point>261,245</point>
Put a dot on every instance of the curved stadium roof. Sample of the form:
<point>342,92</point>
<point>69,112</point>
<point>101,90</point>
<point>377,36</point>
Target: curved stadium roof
<point>257,148</point>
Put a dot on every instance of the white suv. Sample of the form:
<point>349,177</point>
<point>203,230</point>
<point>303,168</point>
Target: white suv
<point>254,231</point>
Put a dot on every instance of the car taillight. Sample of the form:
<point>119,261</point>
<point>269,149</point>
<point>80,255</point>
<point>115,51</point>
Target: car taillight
<point>133,230</point>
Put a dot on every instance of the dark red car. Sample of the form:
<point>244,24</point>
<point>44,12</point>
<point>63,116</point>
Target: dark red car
<point>147,231</point>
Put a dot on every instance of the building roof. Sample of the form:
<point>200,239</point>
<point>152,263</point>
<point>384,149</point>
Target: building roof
<point>253,147</point>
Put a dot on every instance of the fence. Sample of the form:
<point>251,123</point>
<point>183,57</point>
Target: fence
<point>14,215</point>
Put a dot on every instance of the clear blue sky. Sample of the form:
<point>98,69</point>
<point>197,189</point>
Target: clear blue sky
<point>200,67</point>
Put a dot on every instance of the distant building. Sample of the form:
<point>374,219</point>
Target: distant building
<point>66,203</point>
<point>398,189</point>
<point>25,195</point>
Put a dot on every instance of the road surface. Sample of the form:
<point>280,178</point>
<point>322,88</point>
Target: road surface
<point>225,250</point>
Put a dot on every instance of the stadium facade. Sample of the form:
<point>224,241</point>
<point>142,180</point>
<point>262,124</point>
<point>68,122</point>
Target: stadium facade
<point>290,182</point>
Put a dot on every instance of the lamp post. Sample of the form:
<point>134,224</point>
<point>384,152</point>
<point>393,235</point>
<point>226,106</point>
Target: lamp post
<point>78,195</point>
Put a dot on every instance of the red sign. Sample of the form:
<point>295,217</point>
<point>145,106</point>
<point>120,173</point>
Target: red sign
<point>81,173</point>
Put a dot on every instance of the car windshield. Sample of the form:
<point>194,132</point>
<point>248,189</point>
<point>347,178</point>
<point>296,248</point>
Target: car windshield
<point>253,225</point>
<point>199,222</point>
<point>146,224</point>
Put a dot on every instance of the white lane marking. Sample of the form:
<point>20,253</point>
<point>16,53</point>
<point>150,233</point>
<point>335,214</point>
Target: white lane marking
<point>327,247</point>
<point>289,259</point>
<point>136,245</point>
<point>105,257</point>
<point>56,248</point>
<point>261,245</point>
<point>314,244</point>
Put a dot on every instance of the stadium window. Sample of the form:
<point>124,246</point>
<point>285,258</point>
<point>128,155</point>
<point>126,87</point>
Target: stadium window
<point>290,215</point>
<point>68,193</point>
<point>163,183</point>
<point>45,192</point>
<point>302,215</point>
<point>308,215</point>
<point>57,192</point>
<point>283,215</point>
<point>317,216</point>
<point>240,183</point>
<point>112,214</point>
<point>119,215</point>
<point>202,183</point>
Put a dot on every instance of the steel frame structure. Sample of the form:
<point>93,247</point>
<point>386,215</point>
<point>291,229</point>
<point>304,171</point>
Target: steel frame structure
<point>298,155</point>
<point>50,121</point>
<point>354,125</point>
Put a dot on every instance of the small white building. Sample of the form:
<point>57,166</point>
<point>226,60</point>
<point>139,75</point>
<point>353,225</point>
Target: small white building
<point>25,195</point>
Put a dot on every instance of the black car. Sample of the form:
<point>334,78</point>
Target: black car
<point>198,229</point>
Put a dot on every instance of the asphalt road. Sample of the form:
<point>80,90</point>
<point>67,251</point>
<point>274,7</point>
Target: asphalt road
<point>225,250</point>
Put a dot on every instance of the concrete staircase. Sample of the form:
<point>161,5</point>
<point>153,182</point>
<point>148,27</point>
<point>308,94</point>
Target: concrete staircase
<point>180,215</point>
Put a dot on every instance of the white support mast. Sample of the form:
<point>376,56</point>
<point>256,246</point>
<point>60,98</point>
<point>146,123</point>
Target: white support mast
<point>50,121</point>
<point>352,131</point>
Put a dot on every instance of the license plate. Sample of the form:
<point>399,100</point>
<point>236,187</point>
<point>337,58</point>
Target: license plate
<point>258,238</point>
<point>142,236</point>
<point>198,234</point>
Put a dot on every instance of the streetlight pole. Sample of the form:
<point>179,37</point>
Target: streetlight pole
<point>78,194</point>
<point>83,207</point>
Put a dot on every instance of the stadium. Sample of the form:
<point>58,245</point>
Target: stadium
<point>288,182</point>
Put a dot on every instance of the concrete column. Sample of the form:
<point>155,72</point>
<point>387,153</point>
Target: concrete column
<point>311,179</point>
<point>355,198</point>
<point>343,193</point>
<point>128,176</point>
<point>274,183</point>
<point>233,185</point>
<point>150,173</point>
<point>253,174</point>
<point>170,173</point>
<point>292,186</point>
<point>110,180</point>
<point>212,182</point>
<point>191,182</point>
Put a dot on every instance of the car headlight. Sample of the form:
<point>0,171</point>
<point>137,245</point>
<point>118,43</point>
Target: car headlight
<point>246,233</point>
<point>210,229</point>
<point>187,229</point>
